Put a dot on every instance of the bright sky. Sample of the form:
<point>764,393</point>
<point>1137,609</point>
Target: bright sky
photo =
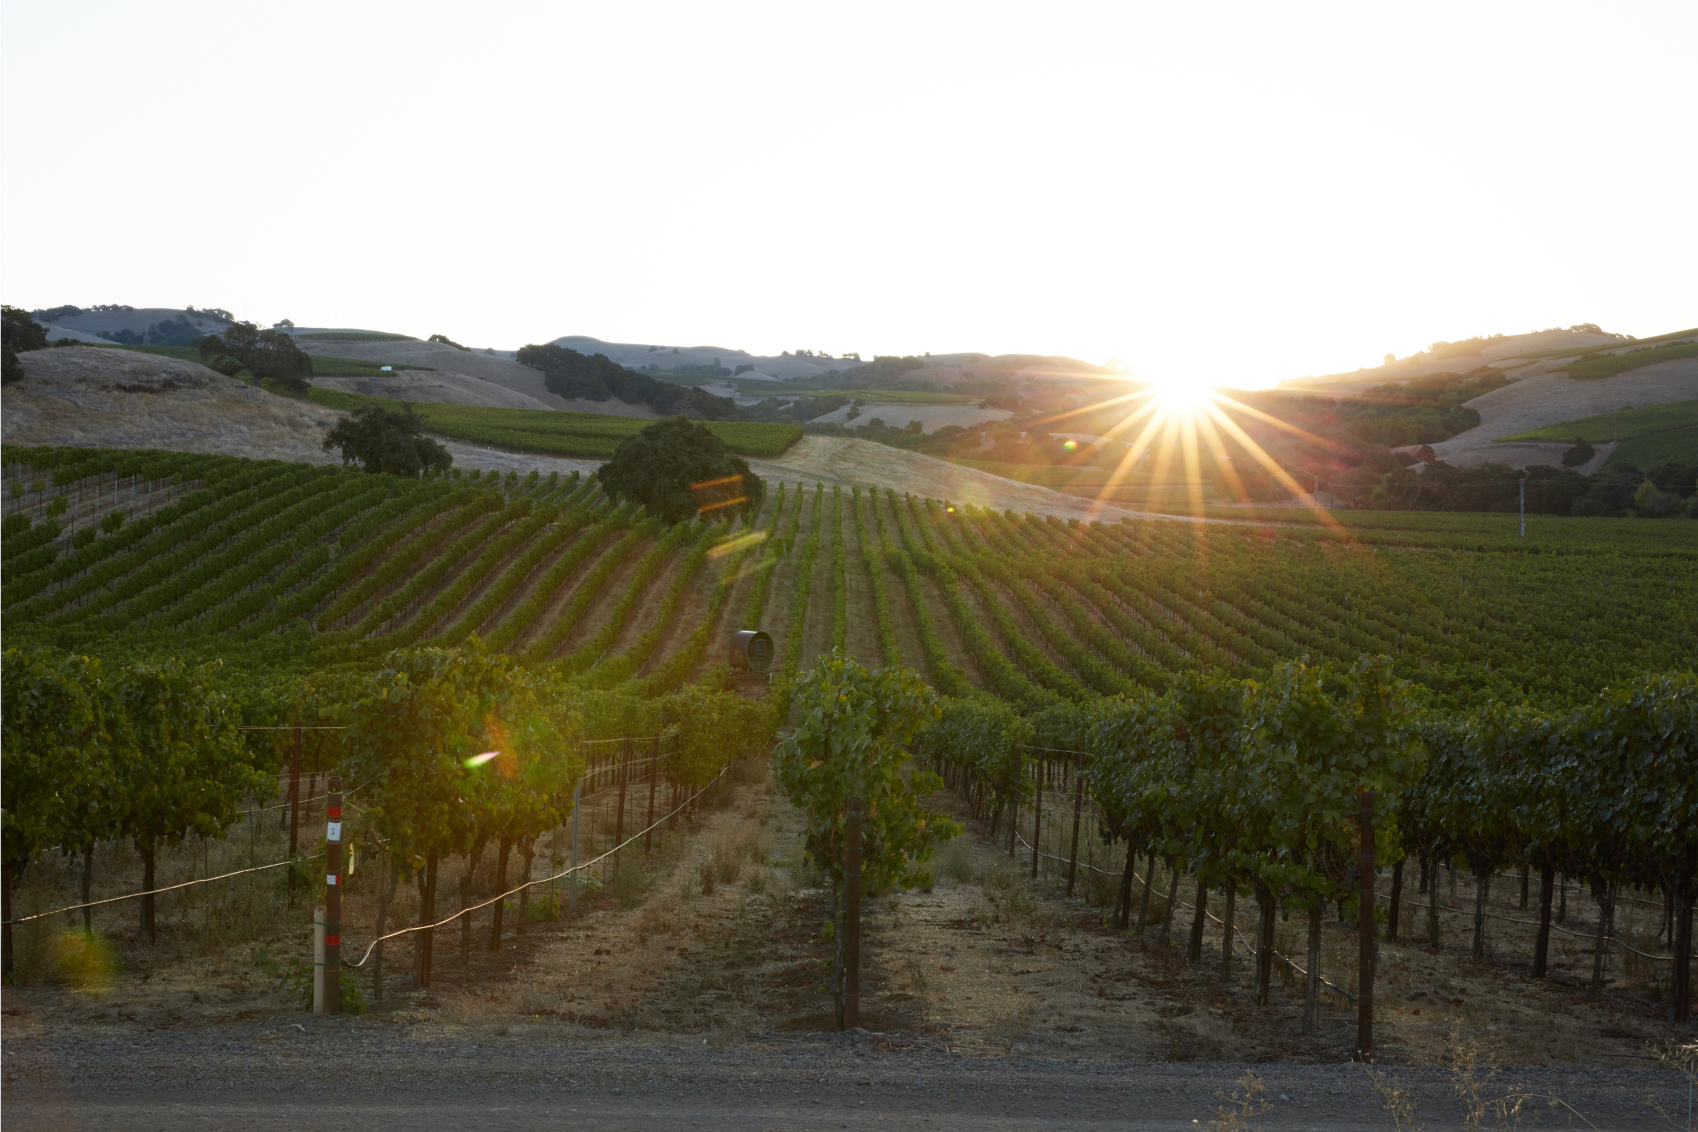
<point>1226,192</point>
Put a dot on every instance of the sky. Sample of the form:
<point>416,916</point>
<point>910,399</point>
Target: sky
<point>1211,192</point>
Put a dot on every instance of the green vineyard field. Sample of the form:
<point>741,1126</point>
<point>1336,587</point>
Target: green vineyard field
<point>270,563</point>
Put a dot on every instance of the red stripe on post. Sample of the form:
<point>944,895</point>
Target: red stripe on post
<point>332,940</point>
<point>334,812</point>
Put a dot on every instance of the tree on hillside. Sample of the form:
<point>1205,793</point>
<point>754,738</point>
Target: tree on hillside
<point>266,355</point>
<point>391,443</point>
<point>1579,454</point>
<point>677,469</point>
<point>447,341</point>
<point>18,333</point>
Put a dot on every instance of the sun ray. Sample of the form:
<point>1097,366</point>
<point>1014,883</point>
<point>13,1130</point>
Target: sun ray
<point>1193,471</point>
<point>1223,461</point>
<point>1134,454</point>
<point>1097,407</point>
<point>1279,473</point>
<point>1330,445</point>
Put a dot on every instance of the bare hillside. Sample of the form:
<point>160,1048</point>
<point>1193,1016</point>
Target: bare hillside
<point>462,377</point>
<point>1552,398</point>
<point>1504,353</point>
<point>104,398</point>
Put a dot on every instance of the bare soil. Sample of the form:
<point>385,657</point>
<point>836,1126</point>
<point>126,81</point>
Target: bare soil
<point>690,986</point>
<point>716,935</point>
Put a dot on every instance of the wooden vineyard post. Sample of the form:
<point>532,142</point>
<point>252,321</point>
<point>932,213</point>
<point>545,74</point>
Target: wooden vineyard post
<point>294,806</point>
<point>654,778</point>
<point>1542,943</point>
<point>852,917</point>
<point>1037,816</point>
<point>1392,905</point>
<point>1073,854</point>
<point>427,914</point>
<point>1365,929</point>
<point>619,816</point>
<point>501,854</point>
<point>332,970</point>
<point>1014,802</point>
<point>572,874</point>
<point>1226,928</point>
<point>1680,977</point>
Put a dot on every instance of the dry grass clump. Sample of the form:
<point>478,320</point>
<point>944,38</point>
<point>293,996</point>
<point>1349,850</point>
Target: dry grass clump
<point>724,856</point>
<point>956,862</point>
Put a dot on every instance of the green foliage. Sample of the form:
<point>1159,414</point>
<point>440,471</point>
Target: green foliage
<point>1674,446</point>
<point>112,523</point>
<point>595,377</point>
<point>983,735</point>
<point>447,341</point>
<point>1579,454</point>
<point>1256,781</point>
<point>849,743</point>
<point>1595,366</point>
<point>267,355</point>
<point>18,333</point>
<point>390,443</point>
<point>414,728</point>
<point>677,470</point>
<point>1622,425</point>
<point>297,975</point>
<point>61,785</point>
<point>184,765</point>
<point>711,728</point>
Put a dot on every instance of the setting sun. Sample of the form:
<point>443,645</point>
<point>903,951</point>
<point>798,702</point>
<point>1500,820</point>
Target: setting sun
<point>1182,397</point>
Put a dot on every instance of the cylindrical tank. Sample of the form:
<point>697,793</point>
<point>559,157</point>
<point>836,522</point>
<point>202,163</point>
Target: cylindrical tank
<point>751,650</point>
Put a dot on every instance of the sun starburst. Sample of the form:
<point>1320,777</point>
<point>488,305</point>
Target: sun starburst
<point>1181,419</point>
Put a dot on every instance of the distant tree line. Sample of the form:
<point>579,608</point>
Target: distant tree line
<point>596,377</point>
<point>1666,491</point>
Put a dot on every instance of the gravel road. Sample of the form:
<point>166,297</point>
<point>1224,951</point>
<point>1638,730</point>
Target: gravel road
<point>298,1071</point>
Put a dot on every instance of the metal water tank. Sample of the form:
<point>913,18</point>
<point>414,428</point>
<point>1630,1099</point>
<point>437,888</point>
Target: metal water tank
<point>751,649</point>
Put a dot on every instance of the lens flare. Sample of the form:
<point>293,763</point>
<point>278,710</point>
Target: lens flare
<point>479,760</point>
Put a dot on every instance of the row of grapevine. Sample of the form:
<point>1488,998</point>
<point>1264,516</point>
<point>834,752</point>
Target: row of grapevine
<point>1035,610</point>
<point>1253,786</point>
